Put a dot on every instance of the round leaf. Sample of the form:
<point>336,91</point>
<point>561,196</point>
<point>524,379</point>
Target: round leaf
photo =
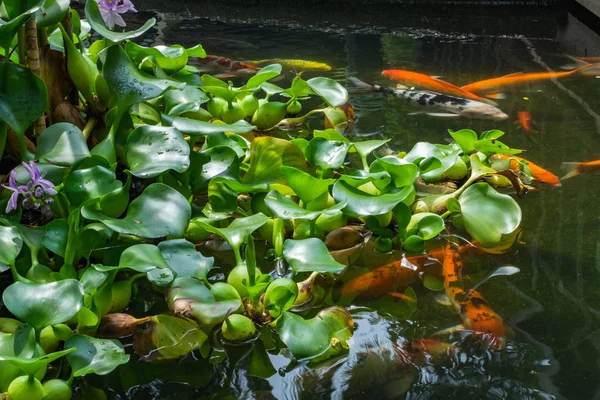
<point>194,127</point>
<point>183,258</point>
<point>90,183</point>
<point>331,91</point>
<point>62,144</point>
<point>159,211</point>
<point>151,150</point>
<point>94,356</point>
<point>310,255</point>
<point>364,204</point>
<point>326,153</point>
<point>10,246</point>
<point>41,305</point>
<point>487,214</point>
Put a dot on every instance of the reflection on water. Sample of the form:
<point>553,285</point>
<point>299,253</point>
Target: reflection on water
<point>552,306</point>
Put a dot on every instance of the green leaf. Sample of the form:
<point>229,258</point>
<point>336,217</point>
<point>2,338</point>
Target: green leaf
<point>365,148</point>
<point>310,255</point>
<point>223,193</point>
<point>267,157</point>
<point>433,283</point>
<point>126,82</point>
<point>194,127</point>
<point>306,186</point>
<point>168,337</point>
<point>152,150</point>
<point>62,144</point>
<point>192,298</point>
<point>280,296</point>
<point>159,211</point>
<point>94,356</point>
<point>493,146</point>
<point>56,236</point>
<point>283,207</point>
<point>364,204</point>
<point>32,365</point>
<point>428,225</point>
<point>23,98</point>
<point>90,183</point>
<point>423,150</point>
<point>403,173</point>
<point>237,231</point>
<point>170,59</point>
<point>331,134</point>
<point>140,258</point>
<point>491,134</point>
<point>325,334</point>
<point>487,214</point>
<point>10,246</point>
<point>14,8</point>
<point>327,154</point>
<point>331,91</point>
<point>94,17</point>
<point>189,99</point>
<point>52,13</point>
<point>465,138</point>
<point>46,304</point>
<point>263,75</point>
<point>183,258</point>
<point>260,364</point>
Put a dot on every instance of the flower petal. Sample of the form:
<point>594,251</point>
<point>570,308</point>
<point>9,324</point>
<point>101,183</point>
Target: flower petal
<point>12,202</point>
<point>47,186</point>
<point>33,170</point>
<point>118,20</point>
<point>12,180</point>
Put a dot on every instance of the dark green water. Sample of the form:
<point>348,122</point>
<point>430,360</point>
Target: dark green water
<point>552,306</point>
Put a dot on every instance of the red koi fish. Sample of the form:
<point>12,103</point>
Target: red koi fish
<point>474,311</point>
<point>228,67</point>
<point>576,168</point>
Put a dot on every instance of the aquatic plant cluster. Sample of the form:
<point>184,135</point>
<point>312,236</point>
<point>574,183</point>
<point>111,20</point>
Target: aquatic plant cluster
<point>138,164</point>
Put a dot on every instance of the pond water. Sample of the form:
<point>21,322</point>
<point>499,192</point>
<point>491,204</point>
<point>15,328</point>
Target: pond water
<point>552,306</point>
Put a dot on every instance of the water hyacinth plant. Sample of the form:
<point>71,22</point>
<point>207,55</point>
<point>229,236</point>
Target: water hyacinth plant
<point>193,213</point>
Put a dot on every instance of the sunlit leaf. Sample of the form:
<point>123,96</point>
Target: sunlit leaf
<point>331,91</point>
<point>310,255</point>
<point>268,155</point>
<point>194,127</point>
<point>94,356</point>
<point>10,246</point>
<point>306,186</point>
<point>360,203</point>
<point>183,258</point>
<point>326,153</point>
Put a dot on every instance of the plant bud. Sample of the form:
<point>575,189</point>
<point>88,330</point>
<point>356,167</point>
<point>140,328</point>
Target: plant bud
<point>238,328</point>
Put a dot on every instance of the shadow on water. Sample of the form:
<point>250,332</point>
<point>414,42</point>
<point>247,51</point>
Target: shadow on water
<point>552,306</point>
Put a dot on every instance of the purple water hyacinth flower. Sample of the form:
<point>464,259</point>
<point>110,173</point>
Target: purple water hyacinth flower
<point>12,185</point>
<point>111,11</point>
<point>37,179</point>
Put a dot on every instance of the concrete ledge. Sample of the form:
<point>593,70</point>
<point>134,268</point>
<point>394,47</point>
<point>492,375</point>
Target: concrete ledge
<point>592,5</point>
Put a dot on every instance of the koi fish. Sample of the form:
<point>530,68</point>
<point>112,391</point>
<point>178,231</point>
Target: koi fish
<point>525,120</point>
<point>444,105</point>
<point>474,311</point>
<point>493,87</point>
<point>539,173</point>
<point>410,79</point>
<point>591,60</point>
<point>229,67</point>
<point>423,350</point>
<point>576,168</point>
<point>296,64</point>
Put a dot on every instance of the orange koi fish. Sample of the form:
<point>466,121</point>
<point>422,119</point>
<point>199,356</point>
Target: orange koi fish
<point>410,78</point>
<point>576,168</point>
<point>591,60</point>
<point>525,120</point>
<point>422,351</point>
<point>492,87</point>
<point>538,172</point>
<point>474,311</point>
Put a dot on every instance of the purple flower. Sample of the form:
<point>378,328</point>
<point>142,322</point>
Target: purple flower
<point>111,10</point>
<point>34,191</point>
<point>12,185</point>
<point>38,180</point>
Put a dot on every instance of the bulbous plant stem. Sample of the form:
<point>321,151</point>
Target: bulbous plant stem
<point>33,61</point>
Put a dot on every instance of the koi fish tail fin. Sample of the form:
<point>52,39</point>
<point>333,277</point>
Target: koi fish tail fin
<point>571,168</point>
<point>590,70</point>
<point>575,63</point>
<point>362,86</point>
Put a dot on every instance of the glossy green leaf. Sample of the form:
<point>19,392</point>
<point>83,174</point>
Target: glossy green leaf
<point>194,127</point>
<point>265,73</point>
<point>208,306</point>
<point>223,193</point>
<point>90,183</point>
<point>364,204</point>
<point>239,228</point>
<point>331,134</point>
<point>23,98</point>
<point>127,83</point>
<point>280,296</point>
<point>10,246</point>
<point>310,255</point>
<point>428,225</point>
<point>168,337</point>
<point>487,214</point>
<point>94,17</point>
<point>465,138</point>
<point>140,258</point>
<point>306,186</point>
<point>283,207</point>
<point>331,91</point>
<point>15,8</point>
<point>42,305</point>
<point>56,237</point>
<point>94,356</point>
<point>366,147</point>
<point>268,156</point>
<point>62,144</point>
<point>159,211</point>
<point>403,173</point>
<point>32,365</point>
<point>183,258</point>
<point>170,59</point>
<point>189,99</point>
<point>324,334</point>
<point>325,153</point>
<point>423,150</point>
<point>53,12</point>
<point>493,146</point>
<point>152,150</point>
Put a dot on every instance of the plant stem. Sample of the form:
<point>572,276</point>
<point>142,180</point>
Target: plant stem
<point>89,127</point>
<point>33,61</point>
